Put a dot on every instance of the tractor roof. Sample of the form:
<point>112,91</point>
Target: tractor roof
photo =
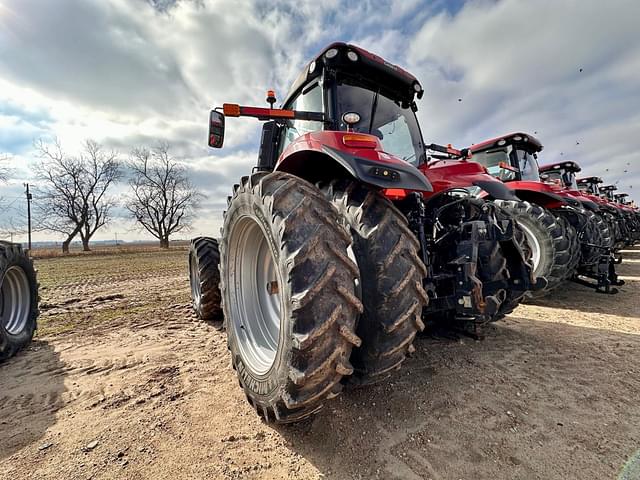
<point>357,61</point>
<point>589,180</point>
<point>520,139</point>
<point>608,188</point>
<point>621,195</point>
<point>568,166</point>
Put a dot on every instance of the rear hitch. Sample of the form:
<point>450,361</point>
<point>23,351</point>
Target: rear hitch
<point>605,273</point>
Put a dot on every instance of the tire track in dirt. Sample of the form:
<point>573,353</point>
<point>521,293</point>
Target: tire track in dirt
<point>550,393</point>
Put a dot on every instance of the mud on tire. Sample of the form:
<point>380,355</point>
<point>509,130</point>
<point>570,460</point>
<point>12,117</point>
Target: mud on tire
<point>288,294</point>
<point>18,299</point>
<point>548,240</point>
<point>204,278</point>
<point>391,273</point>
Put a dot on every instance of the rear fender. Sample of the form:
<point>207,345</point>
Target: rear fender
<point>322,155</point>
<point>547,200</point>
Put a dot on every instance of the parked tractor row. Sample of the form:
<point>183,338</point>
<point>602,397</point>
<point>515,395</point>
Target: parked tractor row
<point>351,234</point>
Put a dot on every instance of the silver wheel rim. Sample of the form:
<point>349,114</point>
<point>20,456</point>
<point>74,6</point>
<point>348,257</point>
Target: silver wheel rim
<point>255,295</point>
<point>194,280</point>
<point>534,245</point>
<point>15,300</point>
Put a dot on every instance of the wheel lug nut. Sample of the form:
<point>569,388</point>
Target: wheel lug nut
<point>272,287</point>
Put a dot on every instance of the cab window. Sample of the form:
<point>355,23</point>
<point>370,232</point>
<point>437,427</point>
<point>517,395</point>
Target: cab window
<point>309,100</point>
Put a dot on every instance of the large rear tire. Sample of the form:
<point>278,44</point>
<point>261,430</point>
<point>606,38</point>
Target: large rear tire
<point>204,278</point>
<point>288,294</point>
<point>392,272</point>
<point>18,299</point>
<point>595,232</point>
<point>548,241</point>
<point>493,267</point>
<point>574,248</point>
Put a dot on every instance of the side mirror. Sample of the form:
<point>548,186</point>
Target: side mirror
<point>216,129</point>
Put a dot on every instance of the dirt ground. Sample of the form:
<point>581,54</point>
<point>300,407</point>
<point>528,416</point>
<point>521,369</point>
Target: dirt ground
<point>123,382</point>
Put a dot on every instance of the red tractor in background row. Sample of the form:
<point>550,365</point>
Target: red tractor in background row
<point>344,242</point>
<point>625,216</point>
<point>590,186</point>
<point>632,215</point>
<point>567,232</point>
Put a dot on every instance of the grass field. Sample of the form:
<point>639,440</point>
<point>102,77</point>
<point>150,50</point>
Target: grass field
<point>78,289</point>
<point>123,382</point>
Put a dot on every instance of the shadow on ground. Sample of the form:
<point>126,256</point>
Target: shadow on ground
<point>632,253</point>
<point>533,400</point>
<point>572,296</point>
<point>31,388</point>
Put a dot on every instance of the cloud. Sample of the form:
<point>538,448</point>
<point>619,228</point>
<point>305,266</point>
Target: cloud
<point>130,73</point>
<point>563,69</point>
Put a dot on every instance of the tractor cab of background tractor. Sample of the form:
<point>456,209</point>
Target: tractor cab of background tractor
<point>590,185</point>
<point>561,173</point>
<point>607,192</point>
<point>622,198</point>
<point>510,158</point>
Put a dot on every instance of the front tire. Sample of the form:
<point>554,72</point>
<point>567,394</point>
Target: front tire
<point>289,295</point>
<point>392,273</point>
<point>18,299</point>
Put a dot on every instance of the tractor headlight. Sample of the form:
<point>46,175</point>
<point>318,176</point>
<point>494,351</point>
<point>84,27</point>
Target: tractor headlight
<point>351,118</point>
<point>332,52</point>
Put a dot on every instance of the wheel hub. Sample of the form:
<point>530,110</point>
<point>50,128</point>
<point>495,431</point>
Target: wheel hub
<point>194,280</point>
<point>534,246</point>
<point>256,297</point>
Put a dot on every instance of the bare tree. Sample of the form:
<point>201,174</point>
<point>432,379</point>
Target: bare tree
<point>5,171</point>
<point>8,225</point>
<point>73,197</point>
<point>163,199</point>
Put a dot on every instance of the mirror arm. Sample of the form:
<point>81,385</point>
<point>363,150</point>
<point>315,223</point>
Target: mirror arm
<point>234,110</point>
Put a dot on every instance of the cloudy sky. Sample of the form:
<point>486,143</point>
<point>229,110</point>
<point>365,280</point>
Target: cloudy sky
<point>132,72</point>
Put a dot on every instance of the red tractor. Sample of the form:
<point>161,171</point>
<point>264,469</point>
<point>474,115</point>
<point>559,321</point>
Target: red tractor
<point>343,242</point>
<point>632,216</point>
<point>625,227</point>
<point>603,196</point>
<point>566,230</point>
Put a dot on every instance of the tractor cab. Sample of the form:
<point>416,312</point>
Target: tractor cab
<point>349,111</point>
<point>589,185</point>
<point>561,173</point>
<point>352,113</point>
<point>622,198</point>
<point>607,192</point>
<point>358,92</point>
<point>512,157</point>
